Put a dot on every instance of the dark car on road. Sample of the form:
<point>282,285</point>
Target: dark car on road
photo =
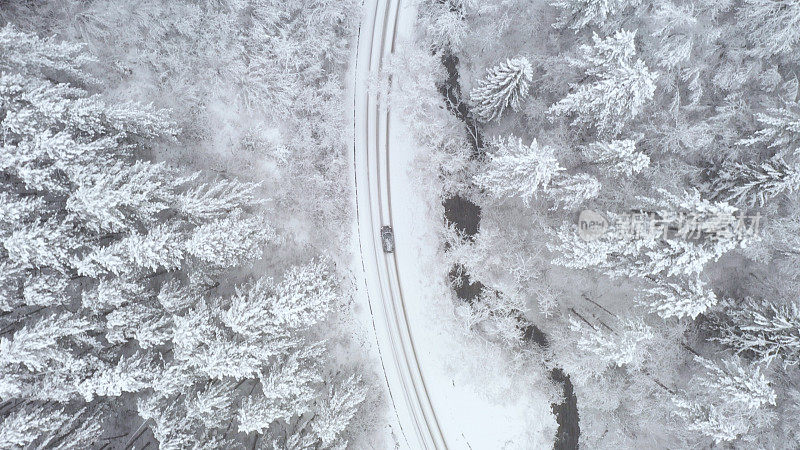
<point>387,239</point>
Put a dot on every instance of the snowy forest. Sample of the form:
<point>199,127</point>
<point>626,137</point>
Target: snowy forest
<point>672,124</point>
<point>160,283</point>
<point>607,224</point>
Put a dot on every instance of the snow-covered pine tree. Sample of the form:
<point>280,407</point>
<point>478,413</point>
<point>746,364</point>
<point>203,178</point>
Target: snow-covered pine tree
<point>302,299</point>
<point>145,322</point>
<point>287,391</point>
<point>215,200</point>
<point>772,26</point>
<point>576,253</point>
<point>50,426</point>
<point>45,343</point>
<point>763,328</point>
<point>577,14</point>
<point>334,413</point>
<point>728,400</point>
<point>516,170</point>
<point>683,297</point>
<point>213,404</point>
<point>505,85</point>
<point>229,241</point>
<point>131,374</point>
<point>677,32</point>
<point>28,424</point>
<point>754,184</point>
<point>173,426</point>
<point>620,86</point>
<point>570,192</point>
<point>121,196</point>
<point>704,231</point>
<point>678,238</point>
<point>780,128</point>
<point>617,156</point>
<point>43,56</point>
<point>626,347</point>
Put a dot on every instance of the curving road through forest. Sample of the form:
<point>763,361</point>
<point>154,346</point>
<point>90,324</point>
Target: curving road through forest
<point>409,394</point>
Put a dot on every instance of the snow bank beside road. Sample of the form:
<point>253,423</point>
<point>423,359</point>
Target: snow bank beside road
<point>481,398</point>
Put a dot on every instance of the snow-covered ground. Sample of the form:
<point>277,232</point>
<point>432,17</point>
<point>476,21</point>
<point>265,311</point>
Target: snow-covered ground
<point>476,398</point>
<point>463,387</point>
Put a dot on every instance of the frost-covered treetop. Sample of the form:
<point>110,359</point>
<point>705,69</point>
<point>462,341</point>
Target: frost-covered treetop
<point>618,48</point>
<point>518,170</point>
<point>505,85</point>
<point>577,14</point>
<point>619,90</point>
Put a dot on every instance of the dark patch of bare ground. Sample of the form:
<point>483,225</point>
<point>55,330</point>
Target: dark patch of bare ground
<point>569,429</point>
<point>466,290</point>
<point>465,216</point>
<point>451,91</point>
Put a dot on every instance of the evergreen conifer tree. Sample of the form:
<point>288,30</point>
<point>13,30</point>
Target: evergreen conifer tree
<point>505,85</point>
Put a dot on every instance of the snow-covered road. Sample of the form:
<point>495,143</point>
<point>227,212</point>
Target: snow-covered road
<point>448,387</point>
<point>417,419</point>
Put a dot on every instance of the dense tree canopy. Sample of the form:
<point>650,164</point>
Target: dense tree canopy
<point>114,281</point>
<point>674,127</point>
